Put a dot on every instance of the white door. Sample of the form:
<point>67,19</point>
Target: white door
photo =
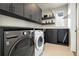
<point>78,29</point>
<point>72,18</point>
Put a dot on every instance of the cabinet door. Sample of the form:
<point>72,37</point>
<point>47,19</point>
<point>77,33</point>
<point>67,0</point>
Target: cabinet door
<point>1,42</point>
<point>28,10</point>
<point>5,6</point>
<point>37,13</point>
<point>40,15</point>
<point>18,8</point>
<point>32,11</point>
<point>62,36</point>
<point>51,36</point>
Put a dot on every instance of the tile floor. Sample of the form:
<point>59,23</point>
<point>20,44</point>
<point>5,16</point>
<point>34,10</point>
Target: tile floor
<point>56,50</point>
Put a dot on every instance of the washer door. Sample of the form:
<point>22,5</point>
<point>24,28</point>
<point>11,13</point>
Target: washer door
<point>22,47</point>
<point>39,42</point>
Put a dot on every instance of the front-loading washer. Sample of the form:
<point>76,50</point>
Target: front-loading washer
<point>18,43</point>
<point>39,42</point>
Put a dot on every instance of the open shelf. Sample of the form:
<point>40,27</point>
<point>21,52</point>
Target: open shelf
<point>47,18</point>
<point>48,23</point>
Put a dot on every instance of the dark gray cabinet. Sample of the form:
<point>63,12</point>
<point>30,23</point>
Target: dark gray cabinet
<point>37,13</point>
<point>29,11</point>
<point>1,42</point>
<point>63,36</point>
<point>60,36</point>
<point>51,36</point>
<point>18,8</point>
<point>33,12</point>
<point>5,6</point>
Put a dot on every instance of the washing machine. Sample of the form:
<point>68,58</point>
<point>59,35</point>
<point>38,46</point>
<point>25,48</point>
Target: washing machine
<point>18,43</point>
<point>39,42</point>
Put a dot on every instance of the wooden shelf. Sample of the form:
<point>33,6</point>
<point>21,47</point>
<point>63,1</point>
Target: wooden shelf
<point>48,23</point>
<point>48,18</point>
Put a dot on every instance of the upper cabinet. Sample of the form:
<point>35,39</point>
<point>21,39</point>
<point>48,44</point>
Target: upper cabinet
<point>27,11</point>
<point>33,12</point>
<point>18,8</point>
<point>5,6</point>
<point>37,13</point>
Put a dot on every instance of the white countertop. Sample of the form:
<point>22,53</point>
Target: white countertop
<point>6,21</point>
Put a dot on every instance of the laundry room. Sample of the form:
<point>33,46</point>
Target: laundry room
<point>38,29</point>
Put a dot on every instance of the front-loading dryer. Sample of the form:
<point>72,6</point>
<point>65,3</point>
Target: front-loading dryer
<point>39,42</point>
<point>18,43</point>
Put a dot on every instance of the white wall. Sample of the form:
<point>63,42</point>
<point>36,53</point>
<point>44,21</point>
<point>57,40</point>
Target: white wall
<point>10,21</point>
<point>72,22</point>
<point>58,21</point>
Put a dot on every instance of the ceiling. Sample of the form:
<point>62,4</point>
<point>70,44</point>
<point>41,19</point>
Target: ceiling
<point>44,6</point>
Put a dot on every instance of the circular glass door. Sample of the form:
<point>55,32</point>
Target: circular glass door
<point>40,41</point>
<point>22,47</point>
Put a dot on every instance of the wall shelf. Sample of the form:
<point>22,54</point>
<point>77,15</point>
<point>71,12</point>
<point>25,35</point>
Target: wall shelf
<point>47,18</point>
<point>48,23</point>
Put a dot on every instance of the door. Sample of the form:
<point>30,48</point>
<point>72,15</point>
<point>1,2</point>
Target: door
<point>78,29</point>
<point>22,47</point>
<point>28,10</point>
<point>1,42</point>
<point>72,17</point>
<point>36,13</point>
<point>33,12</point>
<point>18,8</point>
<point>51,35</point>
<point>62,35</point>
<point>5,6</point>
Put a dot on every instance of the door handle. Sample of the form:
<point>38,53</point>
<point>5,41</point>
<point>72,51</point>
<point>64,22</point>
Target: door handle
<point>75,30</point>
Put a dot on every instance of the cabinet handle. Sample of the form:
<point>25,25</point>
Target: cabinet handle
<point>75,30</point>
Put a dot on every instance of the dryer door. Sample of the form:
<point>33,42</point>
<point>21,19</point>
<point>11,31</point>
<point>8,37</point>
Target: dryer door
<point>22,47</point>
<point>39,42</point>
